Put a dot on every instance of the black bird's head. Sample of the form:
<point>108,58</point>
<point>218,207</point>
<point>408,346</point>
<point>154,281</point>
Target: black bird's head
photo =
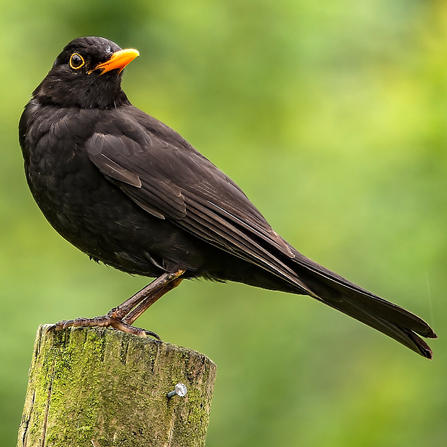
<point>87,74</point>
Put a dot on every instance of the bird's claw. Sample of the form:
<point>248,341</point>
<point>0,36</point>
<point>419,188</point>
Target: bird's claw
<point>104,321</point>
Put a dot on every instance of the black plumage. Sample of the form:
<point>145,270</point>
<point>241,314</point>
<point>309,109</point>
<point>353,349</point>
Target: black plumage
<point>132,193</point>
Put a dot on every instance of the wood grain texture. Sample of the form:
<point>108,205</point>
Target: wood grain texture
<point>100,387</point>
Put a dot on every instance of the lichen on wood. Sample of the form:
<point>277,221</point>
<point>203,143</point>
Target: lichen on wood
<point>100,387</point>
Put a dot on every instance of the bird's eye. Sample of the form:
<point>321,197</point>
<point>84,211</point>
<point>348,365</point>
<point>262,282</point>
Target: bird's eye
<point>76,61</point>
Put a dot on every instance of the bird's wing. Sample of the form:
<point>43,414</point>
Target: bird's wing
<point>169,179</point>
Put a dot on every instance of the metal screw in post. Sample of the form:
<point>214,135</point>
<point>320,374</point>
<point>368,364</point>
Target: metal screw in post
<point>180,390</point>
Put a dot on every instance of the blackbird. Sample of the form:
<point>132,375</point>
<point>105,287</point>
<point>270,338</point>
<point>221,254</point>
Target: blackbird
<point>130,192</point>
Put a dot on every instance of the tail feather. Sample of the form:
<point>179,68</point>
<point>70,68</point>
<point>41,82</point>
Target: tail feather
<point>399,324</point>
<point>347,297</point>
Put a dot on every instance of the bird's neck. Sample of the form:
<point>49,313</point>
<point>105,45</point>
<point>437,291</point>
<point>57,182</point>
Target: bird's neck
<point>94,96</point>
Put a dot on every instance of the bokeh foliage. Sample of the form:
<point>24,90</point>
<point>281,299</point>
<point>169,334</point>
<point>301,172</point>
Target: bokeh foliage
<point>332,116</point>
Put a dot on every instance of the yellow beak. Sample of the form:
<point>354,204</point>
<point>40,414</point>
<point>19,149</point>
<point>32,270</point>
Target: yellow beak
<point>118,61</point>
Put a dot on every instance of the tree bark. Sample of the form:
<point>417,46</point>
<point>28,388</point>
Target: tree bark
<point>100,387</point>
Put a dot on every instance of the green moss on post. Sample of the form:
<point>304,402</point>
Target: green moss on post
<point>100,387</point>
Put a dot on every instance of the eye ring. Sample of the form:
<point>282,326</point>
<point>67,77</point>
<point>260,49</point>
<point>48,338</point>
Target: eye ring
<point>76,61</point>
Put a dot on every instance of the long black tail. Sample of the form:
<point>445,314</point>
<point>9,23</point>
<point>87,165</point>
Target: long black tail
<point>364,306</point>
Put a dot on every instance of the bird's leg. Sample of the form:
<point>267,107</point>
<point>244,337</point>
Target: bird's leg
<point>149,300</point>
<point>147,292</point>
<point>122,316</point>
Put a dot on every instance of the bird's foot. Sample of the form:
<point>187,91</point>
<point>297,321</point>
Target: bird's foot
<point>109,320</point>
<point>122,317</point>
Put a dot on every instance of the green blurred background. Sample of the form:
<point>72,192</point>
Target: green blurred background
<point>332,116</point>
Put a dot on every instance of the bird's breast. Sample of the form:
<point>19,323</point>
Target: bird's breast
<point>85,207</point>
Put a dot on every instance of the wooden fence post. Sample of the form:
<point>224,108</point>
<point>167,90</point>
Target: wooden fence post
<point>92,387</point>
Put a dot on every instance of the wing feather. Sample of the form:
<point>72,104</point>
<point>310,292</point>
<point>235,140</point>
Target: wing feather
<point>187,189</point>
